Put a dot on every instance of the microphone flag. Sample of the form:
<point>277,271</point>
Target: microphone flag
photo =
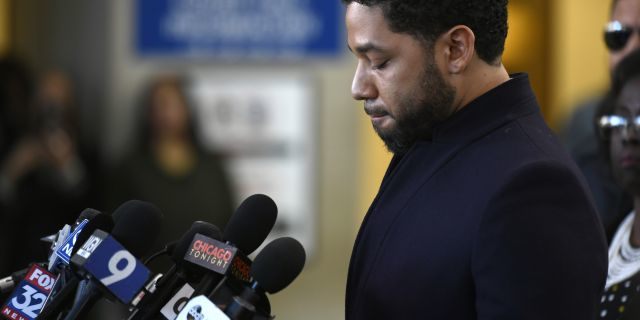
<point>29,297</point>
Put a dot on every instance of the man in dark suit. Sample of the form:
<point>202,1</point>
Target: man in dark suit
<point>481,214</point>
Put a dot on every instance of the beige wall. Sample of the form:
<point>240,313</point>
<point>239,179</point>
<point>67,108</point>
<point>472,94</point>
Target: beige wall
<point>319,292</point>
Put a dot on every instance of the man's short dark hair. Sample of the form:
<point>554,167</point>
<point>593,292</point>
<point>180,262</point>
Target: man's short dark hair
<point>428,19</point>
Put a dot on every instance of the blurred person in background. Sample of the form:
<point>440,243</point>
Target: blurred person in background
<point>16,88</point>
<point>618,119</point>
<point>621,37</point>
<point>45,177</point>
<point>170,168</point>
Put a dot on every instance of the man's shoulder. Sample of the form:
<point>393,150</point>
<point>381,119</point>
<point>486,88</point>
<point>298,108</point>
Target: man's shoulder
<point>522,140</point>
<point>523,145</point>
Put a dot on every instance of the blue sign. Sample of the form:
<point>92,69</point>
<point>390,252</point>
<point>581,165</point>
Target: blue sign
<point>64,251</point>
<point>115,267</point>
<point>239,28</point>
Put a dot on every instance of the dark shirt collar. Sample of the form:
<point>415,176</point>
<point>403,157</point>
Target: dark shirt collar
<point>509,100</point>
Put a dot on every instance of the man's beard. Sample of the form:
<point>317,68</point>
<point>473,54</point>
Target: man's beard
<point>429,105</point>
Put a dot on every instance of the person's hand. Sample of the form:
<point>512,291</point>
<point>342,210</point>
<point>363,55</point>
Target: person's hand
<point>60,148</point>
<point>25,156</point>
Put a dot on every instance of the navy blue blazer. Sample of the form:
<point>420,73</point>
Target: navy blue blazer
<point>488,220</point>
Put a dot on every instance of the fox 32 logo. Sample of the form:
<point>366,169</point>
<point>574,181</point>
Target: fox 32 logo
<point>30,295</point>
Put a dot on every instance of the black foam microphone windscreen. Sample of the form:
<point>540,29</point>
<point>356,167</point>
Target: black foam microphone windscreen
<point>278,264</point>
<point>137,226</point>
<point>88,214</point>
<point>100,221</point>
<point>97,221</point>
<point>251,223</point>
<point>169,283</point>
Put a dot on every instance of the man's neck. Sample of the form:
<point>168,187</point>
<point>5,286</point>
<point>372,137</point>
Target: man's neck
<point>479,79</point>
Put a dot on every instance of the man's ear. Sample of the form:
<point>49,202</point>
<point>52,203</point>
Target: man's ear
<point>459,48</point>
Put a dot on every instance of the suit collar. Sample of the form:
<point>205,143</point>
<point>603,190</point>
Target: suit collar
<point>491,110</point>
<point>496,107</point>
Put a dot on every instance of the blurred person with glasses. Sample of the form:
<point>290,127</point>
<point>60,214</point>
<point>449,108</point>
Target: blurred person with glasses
<point>622,32</point>
<point>618,123</point>
<point>621,36</point>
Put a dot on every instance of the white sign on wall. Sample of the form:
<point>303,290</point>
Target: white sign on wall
<point>266,126</point>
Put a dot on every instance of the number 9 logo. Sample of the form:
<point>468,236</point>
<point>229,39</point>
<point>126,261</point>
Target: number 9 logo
<point>119,274</point>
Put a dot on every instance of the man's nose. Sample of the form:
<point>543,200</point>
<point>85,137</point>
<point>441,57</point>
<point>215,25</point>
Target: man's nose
<point>362,87</point>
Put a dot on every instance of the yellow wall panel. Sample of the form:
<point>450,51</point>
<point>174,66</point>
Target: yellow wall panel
<point>373,162</point>
<point>4,26</point>
<point>579,58</point>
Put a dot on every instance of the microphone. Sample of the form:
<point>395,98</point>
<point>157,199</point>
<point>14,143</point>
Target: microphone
<point>104,263</point>
<point>251,223</point>
<point>7,283</point>
<point>86,214</point>
<point>177,276</point>
<point>137,226</point>
<point>277,265</point>
<point>246,230</point>
<point>273,269</point>
<point>56,239</point>
<point>201,308</point>
<point>65,287</point>
<point>88,218</point>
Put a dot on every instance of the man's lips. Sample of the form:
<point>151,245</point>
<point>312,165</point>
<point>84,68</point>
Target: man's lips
<point>378,118</point>
<point>375,112</point>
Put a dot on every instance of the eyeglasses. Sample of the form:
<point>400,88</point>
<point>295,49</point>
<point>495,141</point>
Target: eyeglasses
<point>616,35</point>
<point>618,123</point>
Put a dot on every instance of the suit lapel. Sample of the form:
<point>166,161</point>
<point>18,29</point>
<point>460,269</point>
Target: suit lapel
<point>400,184</point>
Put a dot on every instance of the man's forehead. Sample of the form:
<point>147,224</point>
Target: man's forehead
<point>361,16</point>
<point>366,28</point>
